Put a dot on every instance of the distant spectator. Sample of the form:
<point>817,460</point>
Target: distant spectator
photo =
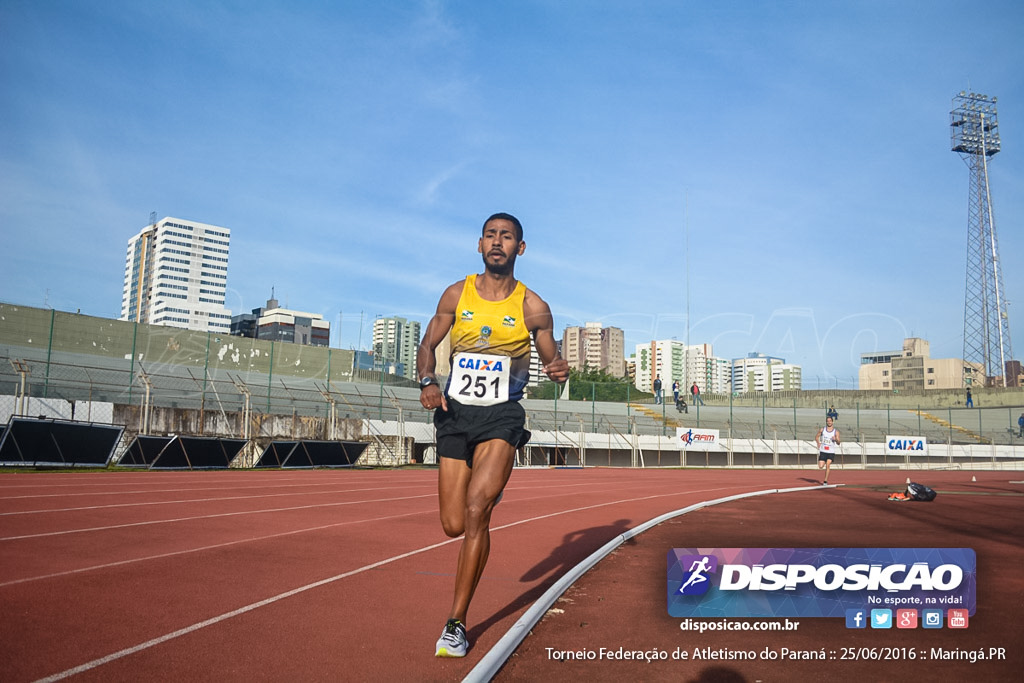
<point>970,401</point>
<point>675,390</point>
<point>1020,424</point>
<point>827,441</point>
<point>657,389</point>
<point>833,413</point>
<point>695,390</point>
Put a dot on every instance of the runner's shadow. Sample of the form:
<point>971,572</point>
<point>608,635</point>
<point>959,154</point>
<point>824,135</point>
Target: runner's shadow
<point>576,546</point>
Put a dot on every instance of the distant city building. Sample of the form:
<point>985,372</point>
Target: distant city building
<point>1014,374</point>
<point>631,369</point>
<point>537,374</point>
<point>911,369</point>
<point>395,341</point>
<point>176,274</point>
<point>274,323</point>
<point>758,372</point>
<point>596,348</point>
<point>674,361</point>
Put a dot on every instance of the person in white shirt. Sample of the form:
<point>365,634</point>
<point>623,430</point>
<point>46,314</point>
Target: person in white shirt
<point>827,440</point>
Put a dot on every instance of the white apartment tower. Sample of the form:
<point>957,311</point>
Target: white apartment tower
<point>395,340</point>
<point>176,274</point>
<point>673,360</point>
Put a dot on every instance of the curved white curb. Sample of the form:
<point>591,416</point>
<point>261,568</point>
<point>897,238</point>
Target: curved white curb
<point>491,662</point>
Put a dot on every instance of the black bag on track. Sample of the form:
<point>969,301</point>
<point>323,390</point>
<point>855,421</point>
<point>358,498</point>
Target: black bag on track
<point>920,492</point>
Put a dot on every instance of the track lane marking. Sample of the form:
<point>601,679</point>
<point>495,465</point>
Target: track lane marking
<point>88,666</point>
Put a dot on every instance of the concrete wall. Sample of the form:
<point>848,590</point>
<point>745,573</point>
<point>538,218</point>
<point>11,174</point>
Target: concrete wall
<point>229,424</point>
<point>874,400</point>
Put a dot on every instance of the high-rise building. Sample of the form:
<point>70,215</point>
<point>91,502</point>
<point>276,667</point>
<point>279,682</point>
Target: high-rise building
<point>913,369</point>
<point>395,341</point>
<point>674,361</point>
<point>282,324</point>
<point>758,372</point>
<point>596,348</point>
<point>176,274</point>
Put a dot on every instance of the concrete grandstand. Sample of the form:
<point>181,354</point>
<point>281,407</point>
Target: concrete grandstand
<point>154,380</point>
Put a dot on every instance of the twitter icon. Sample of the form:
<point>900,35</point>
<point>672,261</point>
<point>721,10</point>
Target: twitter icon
<point>881,618</point>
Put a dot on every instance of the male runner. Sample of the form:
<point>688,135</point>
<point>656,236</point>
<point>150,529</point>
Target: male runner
<point>827,439</point>
<point>478,418</point>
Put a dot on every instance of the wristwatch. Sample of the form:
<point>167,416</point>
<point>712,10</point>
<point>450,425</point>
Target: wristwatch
<point>426,382</point>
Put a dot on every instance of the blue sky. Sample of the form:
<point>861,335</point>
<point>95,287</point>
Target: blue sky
<point>799,150</point>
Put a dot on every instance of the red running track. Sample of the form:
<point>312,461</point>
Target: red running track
<point>316,575</point>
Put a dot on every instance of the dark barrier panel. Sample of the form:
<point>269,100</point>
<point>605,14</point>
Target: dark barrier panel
<point>277,452</point>
<point>324,454</point>
<point>49,443</point>
<point>144,450</point>
<point>198,452</point>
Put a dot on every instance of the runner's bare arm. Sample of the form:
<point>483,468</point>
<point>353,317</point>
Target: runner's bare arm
<point>426,360</point>
<point>540,322</point>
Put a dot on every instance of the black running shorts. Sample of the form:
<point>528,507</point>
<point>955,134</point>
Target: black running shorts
<point>461,428</point>
<point>826,456</point>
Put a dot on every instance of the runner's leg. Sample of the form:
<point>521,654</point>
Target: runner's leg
<point>492,465</point>
<point>452,483</point>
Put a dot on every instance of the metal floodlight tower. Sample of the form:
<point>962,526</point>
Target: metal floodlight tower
<point>974,125</point>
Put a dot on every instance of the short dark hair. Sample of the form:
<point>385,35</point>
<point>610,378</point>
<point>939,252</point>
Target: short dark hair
<point>506,217</point>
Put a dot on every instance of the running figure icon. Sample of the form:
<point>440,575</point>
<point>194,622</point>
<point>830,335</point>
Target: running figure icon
<point>697,570</point>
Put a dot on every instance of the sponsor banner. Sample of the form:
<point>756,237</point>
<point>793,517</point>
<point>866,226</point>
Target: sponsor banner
<point>904,445</point>
<point>817,582</point>
<point>697,439</point>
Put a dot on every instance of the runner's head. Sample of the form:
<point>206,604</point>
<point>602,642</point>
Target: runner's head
<point>828,421</point>
<point>507,217</point>
<point>501,241</point>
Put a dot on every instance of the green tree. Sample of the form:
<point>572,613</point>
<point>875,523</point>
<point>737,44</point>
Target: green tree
<point>589,384</point>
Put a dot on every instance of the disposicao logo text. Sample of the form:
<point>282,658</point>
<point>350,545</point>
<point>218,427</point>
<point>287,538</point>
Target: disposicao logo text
<point>777,582</point>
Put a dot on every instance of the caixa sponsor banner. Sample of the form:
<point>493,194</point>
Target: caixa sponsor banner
<point>697,439</point>
<point>816,582</point>
<point>902,445</point>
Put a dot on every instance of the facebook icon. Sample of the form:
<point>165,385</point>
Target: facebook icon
<point>856,618</point>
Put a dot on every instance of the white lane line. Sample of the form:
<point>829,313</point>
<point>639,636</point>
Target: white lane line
<point>186,551</point>
<point>198,500</point>
<point>191,489</point>
<point>216,516</point>
<point>215,546</point>
<point>406,485</point>
<point>88,666</point>
<point>231,514</point>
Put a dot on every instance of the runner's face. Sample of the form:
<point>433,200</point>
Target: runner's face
<point>828,421</point>
<point>500,246</point>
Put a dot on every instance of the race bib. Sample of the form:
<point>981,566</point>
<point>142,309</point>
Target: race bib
<point>826,444</point>
<point>479,379</point>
